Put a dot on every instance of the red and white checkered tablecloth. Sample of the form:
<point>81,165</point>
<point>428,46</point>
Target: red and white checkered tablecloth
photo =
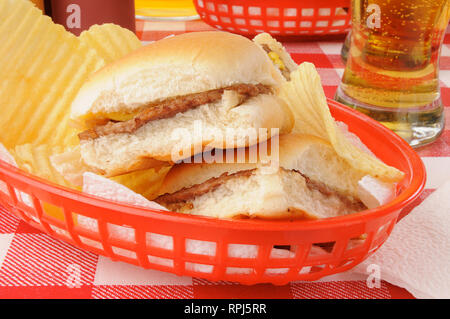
<point>34,265</point>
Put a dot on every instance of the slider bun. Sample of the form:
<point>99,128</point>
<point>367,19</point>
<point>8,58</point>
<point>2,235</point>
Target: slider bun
<point>310,155</point>
<point>153,144</point>
<point>282,195</point>
<point>175,66</point>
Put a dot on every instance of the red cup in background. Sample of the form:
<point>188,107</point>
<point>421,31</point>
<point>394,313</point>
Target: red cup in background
<point>78,15</point>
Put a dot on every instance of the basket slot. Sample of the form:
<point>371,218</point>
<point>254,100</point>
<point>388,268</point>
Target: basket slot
<point>360,245</point>
<point>103,231</point>
<point>355,252</point>
<point>301,253</point>
<point>196,268</point>
<point>244,251</point>
<point>240,21</point>
<point>322,23</point>
<point>122,233</point>
<point>306,24</point>
<point>158,241</point>
<point>68,218</point>
<point>87,225</point>
<point>276,271</point>
<point>24,199</point>
<point>282,252</point>
<point>60,232</point>
<point>340,247</point>
<point>130,254</point>
<point>381,235</point>
<point>290,12</point>
<point>346,263</point>
<point>201,257</point>
<point>256,22</point>
<point>289,24</point>
<point>3,188</point>
<point>338,23</point>
<point>254,11</point>
<point>357,243</point>
<point>319,268</point>
<point>12,194</point>
<point>273,12</point>
<point>201,247</point>
<point>160,261</point>
<point>320,251</point>
<point>239,271</point>
<point>324,11</point>
<point>222,7</point>
<point>89,243</point>
<point>308,12</point>
<point>237,9</point>
<point>24,207</point>
<point>341,11</point>
<point>41,216</point>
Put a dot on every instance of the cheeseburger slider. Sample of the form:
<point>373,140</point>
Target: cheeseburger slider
<point>310,182</point>
<point>177,97</point>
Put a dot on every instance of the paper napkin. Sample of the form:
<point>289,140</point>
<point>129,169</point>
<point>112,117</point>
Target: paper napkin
<point>416,256</point>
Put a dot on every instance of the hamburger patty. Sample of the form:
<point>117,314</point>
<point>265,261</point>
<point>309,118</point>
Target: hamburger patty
<point>189,193</point>
<point>169,108</point>
<point>180,200</point>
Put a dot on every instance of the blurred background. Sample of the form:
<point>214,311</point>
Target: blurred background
<point>288,19</point>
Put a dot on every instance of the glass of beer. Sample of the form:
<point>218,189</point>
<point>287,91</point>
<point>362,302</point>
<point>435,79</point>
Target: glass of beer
<point>392,68</point>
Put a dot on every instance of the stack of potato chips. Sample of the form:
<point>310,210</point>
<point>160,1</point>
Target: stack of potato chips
<point>42,67</point>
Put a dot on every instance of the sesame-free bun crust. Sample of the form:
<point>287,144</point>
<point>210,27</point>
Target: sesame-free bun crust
<point>175,66</point>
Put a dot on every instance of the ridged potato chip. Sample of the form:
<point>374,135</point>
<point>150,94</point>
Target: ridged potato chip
<point>110,41</point>
<point>71,167</point>
<point>145,182</point>
<point>35,159</point>
<point>305,96</point>
<point>42,67</point>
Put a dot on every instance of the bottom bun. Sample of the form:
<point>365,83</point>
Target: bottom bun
<point>286,194</point>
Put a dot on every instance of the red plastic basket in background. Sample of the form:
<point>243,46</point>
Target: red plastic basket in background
<point>277,17</point>
<point>207,248</point>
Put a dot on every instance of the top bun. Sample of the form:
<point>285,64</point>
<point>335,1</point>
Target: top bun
<point>175,66</point>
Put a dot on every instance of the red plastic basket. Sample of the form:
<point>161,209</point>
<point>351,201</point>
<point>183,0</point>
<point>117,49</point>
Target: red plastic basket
<point>54,209</point>
<point>277,17</point>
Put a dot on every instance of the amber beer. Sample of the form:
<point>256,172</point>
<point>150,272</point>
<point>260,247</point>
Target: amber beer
<point>392,67</point>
